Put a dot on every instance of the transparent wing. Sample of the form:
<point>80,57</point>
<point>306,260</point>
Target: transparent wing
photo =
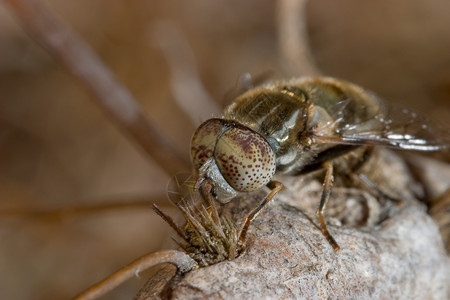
<point>371,121</point>
<point>180,190</point>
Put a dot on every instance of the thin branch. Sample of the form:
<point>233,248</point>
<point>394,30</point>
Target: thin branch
<point>177,258</point>
<point>62,213</point>
<point>296,54</point>
<point>110,95</point>
<point>187,88</point>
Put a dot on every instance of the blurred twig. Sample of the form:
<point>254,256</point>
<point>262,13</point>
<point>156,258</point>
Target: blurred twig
<point>187,87</point>
<point>73,211</point>
<point>296,55</point>
<point>180,259</point>
<point>110,95</point>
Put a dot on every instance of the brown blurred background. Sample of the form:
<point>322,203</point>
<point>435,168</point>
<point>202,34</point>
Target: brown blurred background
<point>57,149</point>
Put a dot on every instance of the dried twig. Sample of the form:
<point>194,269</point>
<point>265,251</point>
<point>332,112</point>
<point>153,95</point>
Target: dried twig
<point>110,95</point>
<point>179,259</point>
<point>296,54</point>
<point>187,87</point>
<point>73,211</point>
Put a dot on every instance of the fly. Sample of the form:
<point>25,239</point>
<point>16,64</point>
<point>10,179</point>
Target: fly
<point>295,127</point>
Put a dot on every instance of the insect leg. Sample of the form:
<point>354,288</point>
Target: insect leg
<point>327,183</point>
<point>276,187</point>
<point>359,176</point>
<point>368,151</point>
<point>381,194</point>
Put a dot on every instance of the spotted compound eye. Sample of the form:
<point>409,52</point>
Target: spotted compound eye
<point>204,140</point>
<point>245,159</point>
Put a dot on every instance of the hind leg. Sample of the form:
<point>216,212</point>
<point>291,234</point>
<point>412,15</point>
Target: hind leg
<point>360,177</point>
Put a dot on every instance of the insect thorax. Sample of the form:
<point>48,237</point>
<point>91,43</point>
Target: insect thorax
<point>278,116</point>
<point>288,113</point>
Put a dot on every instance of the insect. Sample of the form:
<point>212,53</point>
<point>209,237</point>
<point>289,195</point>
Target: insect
<point>295,127</point>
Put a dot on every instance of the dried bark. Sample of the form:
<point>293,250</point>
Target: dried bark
<point>387,251</point>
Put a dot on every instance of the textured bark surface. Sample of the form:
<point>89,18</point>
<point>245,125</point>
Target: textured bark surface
<point>387,251</point>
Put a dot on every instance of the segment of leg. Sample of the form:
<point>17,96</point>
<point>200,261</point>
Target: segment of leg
<point>276,187</point>
<point>373,187</point>
<point>362,161</point>
<point>357,175</point>
<point>326,190</point>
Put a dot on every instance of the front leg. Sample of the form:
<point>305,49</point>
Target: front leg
<point>326,190</point>
<point>276,187</point>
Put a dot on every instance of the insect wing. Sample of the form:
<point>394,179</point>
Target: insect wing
<point>180,190</point>
<point>374,122</point>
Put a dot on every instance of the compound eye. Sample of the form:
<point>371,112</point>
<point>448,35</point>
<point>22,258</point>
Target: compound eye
<point>245,159</point>
<point>204,140</point>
